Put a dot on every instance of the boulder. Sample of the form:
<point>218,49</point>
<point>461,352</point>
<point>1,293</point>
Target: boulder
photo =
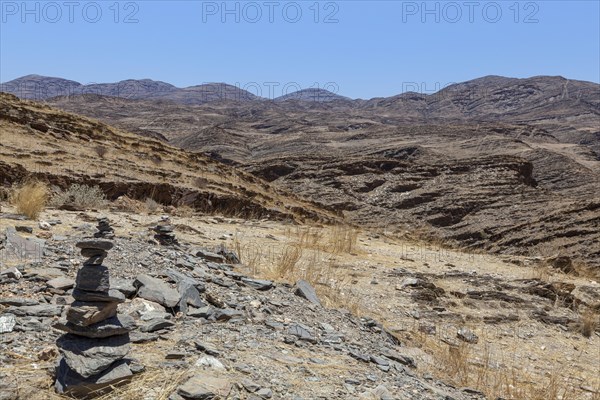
<point>88,357</point>
<point>156,290</point>
<point>71,383</point>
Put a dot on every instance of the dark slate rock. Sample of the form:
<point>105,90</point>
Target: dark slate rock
<point>227,314</point>
<point>156,325</point>
<point>258,284</point>
<point>40,310</point>
<point>71,383</point>
<point>25,229</point>
<point>94,253</point>
<point>190,295</point>
<point>305,290</point>
<point>112,295</point>
<point>88,357</point>
<point>402,359</point>
<point>209,256</point>
<point>302,332</point>
<point>117,325</point>
<point>204,312</point>
<point>124,286</point>
<point>18,301</point>
<point>93,278</point>
<point>142,337</point>
<point>207,348</point>
<point>156,290</point>
<point>95,244</point>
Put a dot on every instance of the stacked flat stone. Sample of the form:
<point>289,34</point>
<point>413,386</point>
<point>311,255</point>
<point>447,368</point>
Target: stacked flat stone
<point>164,233</point>
<point>92,352</point>
<point>104,229</point>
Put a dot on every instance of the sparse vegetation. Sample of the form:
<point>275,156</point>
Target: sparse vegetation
<point>310,254</point>
<point>80,196</point>
<point>101,151</point>
<point>151,205</point>
<point>30,198</point>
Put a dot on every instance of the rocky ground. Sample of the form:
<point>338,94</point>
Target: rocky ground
<point>388,320</point>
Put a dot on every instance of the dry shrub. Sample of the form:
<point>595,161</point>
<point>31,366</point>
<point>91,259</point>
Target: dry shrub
<point>80,196</point>
<point>30,198</point>
<point>200,182</point>
<point>183,211</point>
<point>151,205</point>
<point>288,263</point>
<point>156,159</point>
<point>127,204</point>
<point>588,323</point>
<point>101,151</point>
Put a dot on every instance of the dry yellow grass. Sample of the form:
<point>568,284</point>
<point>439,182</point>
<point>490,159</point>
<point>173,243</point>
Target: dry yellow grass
<point>309,253</point>
<point>30,198</point>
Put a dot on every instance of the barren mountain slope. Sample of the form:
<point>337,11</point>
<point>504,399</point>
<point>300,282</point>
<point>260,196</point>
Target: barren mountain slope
<point>63,148</point>
<point>518,187</point>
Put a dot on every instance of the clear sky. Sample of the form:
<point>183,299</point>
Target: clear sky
<point>360,49</point>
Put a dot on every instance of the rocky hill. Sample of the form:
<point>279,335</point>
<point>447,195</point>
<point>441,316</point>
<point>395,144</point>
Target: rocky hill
<point>507,165</point>
<point>62,148</point>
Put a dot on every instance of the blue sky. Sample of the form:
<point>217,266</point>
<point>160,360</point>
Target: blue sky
<point>357,48</point>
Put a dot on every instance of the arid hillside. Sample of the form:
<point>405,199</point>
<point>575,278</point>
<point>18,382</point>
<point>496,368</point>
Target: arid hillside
<point>41,142</point>
<point>501,164</point>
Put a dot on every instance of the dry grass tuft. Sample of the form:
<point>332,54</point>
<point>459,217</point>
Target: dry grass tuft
<point>588,323</point>
<point>80,196</point>
<point>30,198</point>
<point>491,373</point>
<point>310,254</point>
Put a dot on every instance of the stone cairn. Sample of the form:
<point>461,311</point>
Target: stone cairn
<point>96,342</point>
<point>164,232</point>
<point>104,229</point>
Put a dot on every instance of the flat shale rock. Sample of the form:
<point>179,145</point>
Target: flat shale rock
<point>88,357</point>
<point>112,295</point>
<point>156,290</point>
<point>18,301</point>
<point>40,310</point>
<point>88,313</point>
<point>71,383</point>
<point>117,325</point>
<point>124,286</point>
<point>93,278</point>
<point>95,244</point>
<point>204,386</point>
<point>305,290</point>
<point>61,283</point>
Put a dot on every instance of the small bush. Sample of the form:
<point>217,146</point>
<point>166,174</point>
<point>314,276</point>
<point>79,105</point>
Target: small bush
<point>30,198</point>
<point>100,151</point>
<point>151,205</point>
<point>200,182</point>
<point>80,196</point>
